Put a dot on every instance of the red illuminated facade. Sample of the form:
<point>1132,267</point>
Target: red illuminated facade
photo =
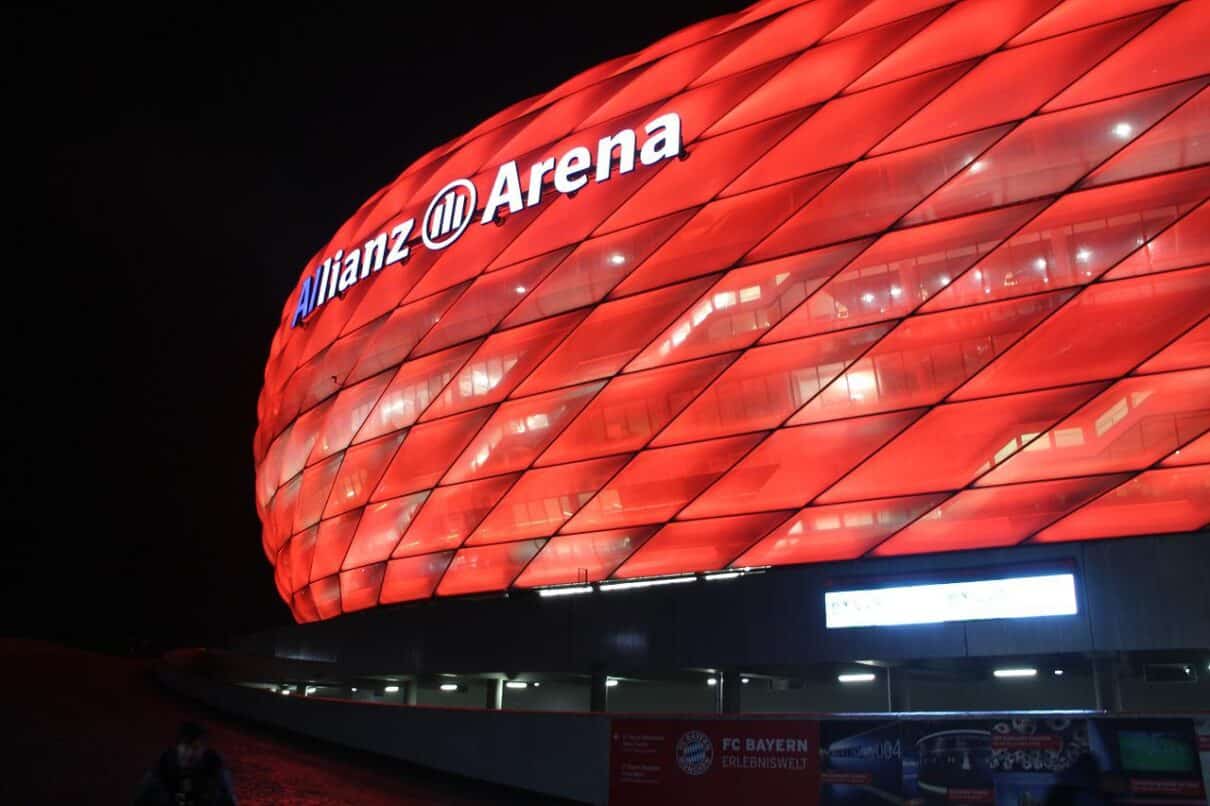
<point>923,277</point>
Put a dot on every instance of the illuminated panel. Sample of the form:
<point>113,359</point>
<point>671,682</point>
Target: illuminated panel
<point>1075,141</point>
<point>518,432</point>
<point>794,465</point>
<point>543,499</point>
<point>1077,238</point>
<point>450,514</point>
<point>842,130</point>
<point>927,357</point>
<point>1038,71</point>
<point>359,588</point>
<point>977,600</point>
<point>611,335</point>
<point>1176,500</point>
<point>744,304</point>
<point>902,270</point>
<point>360,471</point>
<point>992,517</point>
<point>698,545</point>
<point>951,445</point>
<point>657,483</point>
<point>1129,426</point>
<point>837,532</point>
<point>500,364</point>
<point>587,557</point>
<point>767,384</point>
<point>380,528</point>
<point>1074,345</point>
<point>1185,243</point>
<point>487,568</point>
<point>1190,350</point>
<point>413,577</point>
<point>413,389</point>
<point>810,282</point>
<point>633,408</point>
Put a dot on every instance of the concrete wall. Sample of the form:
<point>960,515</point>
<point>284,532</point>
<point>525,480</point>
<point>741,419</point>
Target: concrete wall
<point>564,755</point>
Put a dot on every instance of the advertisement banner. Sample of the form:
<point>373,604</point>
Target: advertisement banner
<point>707,762</point>
<point>1012,760</point>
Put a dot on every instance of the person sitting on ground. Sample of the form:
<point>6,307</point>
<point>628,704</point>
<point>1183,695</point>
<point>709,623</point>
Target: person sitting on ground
<point>190,774</point>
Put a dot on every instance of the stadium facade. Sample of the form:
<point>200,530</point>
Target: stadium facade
<point>817,299</point>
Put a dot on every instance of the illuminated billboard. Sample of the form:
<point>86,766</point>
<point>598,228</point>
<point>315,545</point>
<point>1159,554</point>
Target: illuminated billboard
<point>1031,596</point>
<point>809,282</point>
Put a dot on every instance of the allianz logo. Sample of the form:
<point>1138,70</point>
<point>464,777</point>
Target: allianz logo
<point>454,207</point>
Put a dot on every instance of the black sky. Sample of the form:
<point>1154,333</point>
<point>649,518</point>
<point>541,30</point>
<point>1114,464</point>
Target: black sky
<point>169,174</point>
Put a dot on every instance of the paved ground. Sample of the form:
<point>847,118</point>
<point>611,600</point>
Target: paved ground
<point>82,728</point>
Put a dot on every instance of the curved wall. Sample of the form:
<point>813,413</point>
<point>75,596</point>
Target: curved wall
<point>806,283</point>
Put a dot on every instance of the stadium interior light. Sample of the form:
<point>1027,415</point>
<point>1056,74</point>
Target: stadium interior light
<point>711,681</point>
<point>647,583</point>
<point>516,684</point>
<point>611,682</point>
<point>391,689</point>
<point>1024,671</point>
<point>568,590</point>
<point>449,686</point>
<point>856,677</point>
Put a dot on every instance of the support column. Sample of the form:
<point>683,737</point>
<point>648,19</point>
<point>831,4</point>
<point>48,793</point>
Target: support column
<point>495,695</point>
<point>898,697</point>
<point>598,694</point>
<point>409,691</point>
<point>730,691</point>
<point>1107,684</point>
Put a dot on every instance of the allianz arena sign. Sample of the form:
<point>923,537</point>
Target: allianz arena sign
<point>453,207</point>
<point>864,317</point>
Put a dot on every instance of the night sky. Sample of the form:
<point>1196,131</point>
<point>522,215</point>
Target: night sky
<point>167,178</point>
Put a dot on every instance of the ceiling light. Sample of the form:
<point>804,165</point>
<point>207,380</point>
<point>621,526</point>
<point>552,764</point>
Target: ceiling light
<point>856,677</point>
<point>1020,672</point>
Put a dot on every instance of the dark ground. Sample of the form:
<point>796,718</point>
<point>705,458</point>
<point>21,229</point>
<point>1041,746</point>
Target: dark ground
<point>82,728</point>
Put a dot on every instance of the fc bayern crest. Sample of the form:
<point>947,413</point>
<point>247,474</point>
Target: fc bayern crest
<point>694,752</point>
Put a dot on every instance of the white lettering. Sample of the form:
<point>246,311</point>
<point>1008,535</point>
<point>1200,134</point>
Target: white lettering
<point>373,254</point>
<point>349,276</point>
<point>539,170</point>
<point>624,141</point>
<point>399,246</point>
<point>666,144</point>
<point>569,174</point>
<point>505,190</point>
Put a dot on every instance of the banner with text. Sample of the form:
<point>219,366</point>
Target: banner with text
<point>1013,760</point>
<point>707,762</point>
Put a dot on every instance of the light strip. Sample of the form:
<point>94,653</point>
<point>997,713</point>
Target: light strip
<point>1014,597</point>
<point>391,689</point>
<point>449,686</point>
<point>724,575</point>
<point>1024,672</point>
<point>647,583</point>
<point>516,684</point>
<point>856,677</point>
<point>570,590</point>
<point>611,683</point>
